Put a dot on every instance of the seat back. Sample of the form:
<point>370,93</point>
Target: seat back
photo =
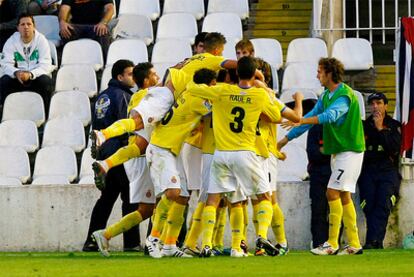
<point>71,103</point>
<point>239,7</point>
<point>269,50</point>
<point>77,77</point>
<point>228,24</point>
<point>150,8</point>
<point>171,51</point>
<point>134,26</point>
<point>14,163</point>
<point>64,131</point>
<point>354,53</point>
<point>24,105</point>
<point>177,26</point>
<point>194,7</point>
<point>19,133</point>
<point>83,51</point>
<point>134,50</point>
<point>308,50</point>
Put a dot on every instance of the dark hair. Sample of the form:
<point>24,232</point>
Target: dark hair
<point>24,15</point>
<point>334,66</point>
<point>204,76</point>
<point>245,44</point>
<point>119,67</point>
<point>230,73</point>
<point>200,37</point>
<point>246,68</point>
<point>265,68</point>
<point>141,71</point>
<point>213,40</point>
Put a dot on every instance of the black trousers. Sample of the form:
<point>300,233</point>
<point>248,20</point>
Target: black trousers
<point>117,183</point>
<point>42,85</point>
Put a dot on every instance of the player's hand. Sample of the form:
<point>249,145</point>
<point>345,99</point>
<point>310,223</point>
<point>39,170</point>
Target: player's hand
<point>101,29</point>
<point>298,96</point>
<point>378,120</point>
<point>288,125</point>
<point>259,84</point>
<point>65,29</point>
<point>259,75</point>
<point>281,143</point>
<point>282,156</point>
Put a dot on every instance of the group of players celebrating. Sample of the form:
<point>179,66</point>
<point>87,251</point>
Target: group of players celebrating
<point>210,126</point>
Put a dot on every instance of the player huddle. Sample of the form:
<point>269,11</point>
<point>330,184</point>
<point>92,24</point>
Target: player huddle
<point>204,131</point>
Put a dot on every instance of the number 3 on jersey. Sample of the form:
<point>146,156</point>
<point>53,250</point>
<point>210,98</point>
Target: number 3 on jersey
<point>237,125</point>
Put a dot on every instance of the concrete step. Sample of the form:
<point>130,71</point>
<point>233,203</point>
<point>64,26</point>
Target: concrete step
<point>278,33</point>
<point>282,5</point>
<point>292,20</point>
<point>282,25</point>
<point>273,13</point>
<point>385,69</point>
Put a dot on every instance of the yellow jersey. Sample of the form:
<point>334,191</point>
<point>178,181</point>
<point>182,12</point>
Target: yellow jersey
<point>207,139</point>
<point>178,123</point>
<point>195,138</point>
<point>136,98</point>
<point>236,112</point>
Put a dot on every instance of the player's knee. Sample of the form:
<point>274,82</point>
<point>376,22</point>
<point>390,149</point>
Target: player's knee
<point>172,194</point>
<point>146,210</point>
<point>264,196</point>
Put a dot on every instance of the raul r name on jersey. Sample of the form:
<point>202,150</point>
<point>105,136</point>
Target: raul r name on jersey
<point>240,99</point>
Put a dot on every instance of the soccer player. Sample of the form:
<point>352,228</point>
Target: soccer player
<point>166,170</point>
<point>343,135</point>
<point>236,111</point>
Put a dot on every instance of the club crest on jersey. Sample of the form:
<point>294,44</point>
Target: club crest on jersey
<point>207,104</point>
<point>243,93</point>
<point>101,106</point>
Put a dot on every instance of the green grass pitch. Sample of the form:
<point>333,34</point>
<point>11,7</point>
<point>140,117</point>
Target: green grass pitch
<point>371,263</point>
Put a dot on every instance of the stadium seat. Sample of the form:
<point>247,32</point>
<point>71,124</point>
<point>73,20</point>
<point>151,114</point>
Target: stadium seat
<point>239,7</point>
<point>354,53</point>
<point>8,181</point>
<point>161,68</point>
<point>294,168</point>
<point>287,94</point>
<point>229,24</point>
<point>106,77</point>
<point>177,26</point>
<point>171,51</point>
<point>48,25</point>
<point>51,180</point>
<point>275,79</point>
<point>64,131</point>
<point>301,76</point>
<point>134,26</point>
<point>308,50</point>
<point>53,55</point>
<point>361,104</point>
<point>77,77</point>
<point>55,161</point>
<point>83,51</point>
<point>24,105</point>
<point>14,163</point>
<point>150,8</point>
<point>86,173</point>
<point>71,103</point>
<point>130,49</point>
<point>194,7</point>
<point>229,51</point>
<point>19,133</point>
<point>269,50</point>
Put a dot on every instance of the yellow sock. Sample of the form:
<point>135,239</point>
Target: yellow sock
<point>350,224</point>
<point>264,218</point>
<point>237,224</point>
<point>335,217</point>
<point>126,223</point>
<point>278,224</point>
<point>175,221</point>
<point>161,212</point>
<point>196,227</point>
<point>221,223</point>
<point>254,219</point>
<point>208,220</point>
<point>163,230</point>
<point>119,127</point>
<point>123,154</point>
<point>245,221</point>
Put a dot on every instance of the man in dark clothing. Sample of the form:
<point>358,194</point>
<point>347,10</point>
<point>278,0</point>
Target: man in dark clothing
<point>379,180</point>
<point>90,19</point>
<point>10,11</point>
<point>111,106</point>
<point>319,169</point>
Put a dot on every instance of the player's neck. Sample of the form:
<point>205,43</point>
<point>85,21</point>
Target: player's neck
<point>245,83</point>
<point>332,86</point>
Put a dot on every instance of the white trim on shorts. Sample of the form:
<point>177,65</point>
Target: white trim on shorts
<point>346,167</point>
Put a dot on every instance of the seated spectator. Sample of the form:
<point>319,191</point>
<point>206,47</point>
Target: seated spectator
<point>41,7</point>
<point>89,19</point>
<point>9,13</point>
<point>379,180</point>
<point>26,62</point>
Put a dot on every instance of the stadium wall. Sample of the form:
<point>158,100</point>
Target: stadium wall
<point>56,217</point>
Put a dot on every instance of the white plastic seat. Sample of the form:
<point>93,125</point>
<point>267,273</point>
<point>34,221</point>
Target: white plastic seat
<point>53,55</point>
<point>83,51</point>
<point>161,68</point>
<point>229,51</point>
<point>9,181</point>
<point>134,26</point>
<point>239,7</point>
<point>361,103</point>
<point>14,163</point>
<point>86,173</point>
<point>77,77</point>
<point>308,50</point>
<point>275,79</point>
<point>72,104</point>
<point>64,131</point>
<point>134,50</point>
<point>150,8</point>
<point>177,26</point>
<point>194,7</point>
<point>171,51</point>
<point>287,94</point>
<point>105,78</point>
<point>56,161</point>
<point>19,133</point>
<point>48,25</point>
<point>301,76</point>
<point>24,105</point>
<point>270,50</point>
<point>354,53</point>
<point>51,180</point>
<point>294,168</point>
<point>228,24</point>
